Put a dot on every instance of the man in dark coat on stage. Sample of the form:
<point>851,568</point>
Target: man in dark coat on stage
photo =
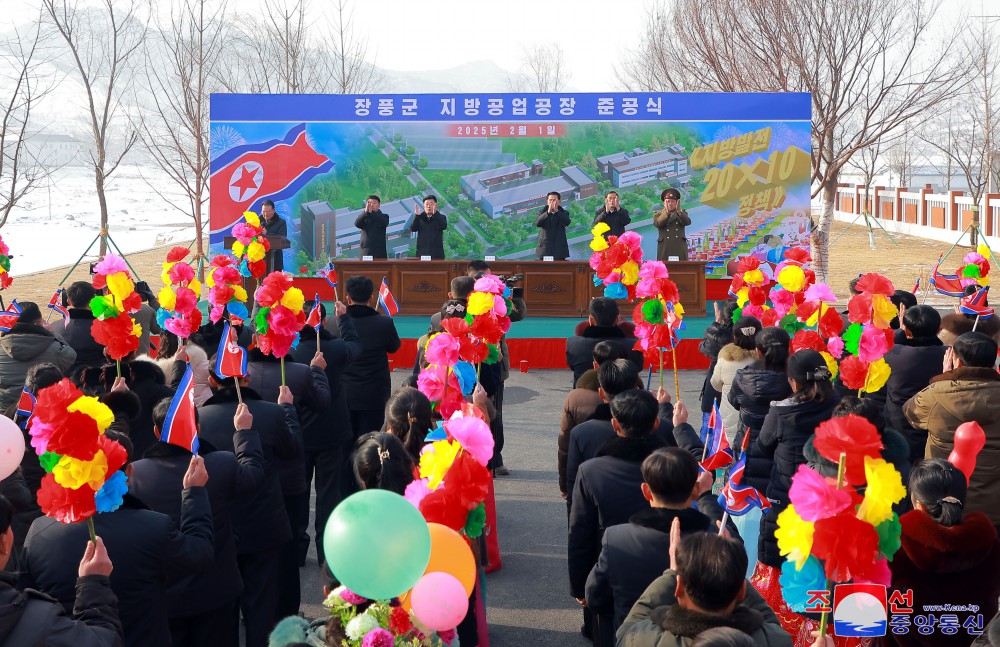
<point>147,548</point>
<point>429,227</point>
<point>552,221</point>
<point>613,215</point>
<point>201,607</point>
<point>366,381</point>
<point>327,440</point>
<point>274,225</point>
<point>372,223</point>
<point>260,522</point>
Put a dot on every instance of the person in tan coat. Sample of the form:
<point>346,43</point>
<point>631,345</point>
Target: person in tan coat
<point>671,222</point>
<point>968,390</point>
<point>739,354</point>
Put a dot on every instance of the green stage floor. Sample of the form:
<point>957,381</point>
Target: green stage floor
<point>540,327</point>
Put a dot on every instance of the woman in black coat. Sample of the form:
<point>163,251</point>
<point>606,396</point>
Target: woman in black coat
<point>787,427</point>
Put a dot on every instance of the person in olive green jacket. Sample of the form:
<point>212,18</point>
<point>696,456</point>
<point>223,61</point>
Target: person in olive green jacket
<point>671,222</point>
<point>687,600</point>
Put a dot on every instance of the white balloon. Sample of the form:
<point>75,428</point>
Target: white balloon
<point>11,446</point>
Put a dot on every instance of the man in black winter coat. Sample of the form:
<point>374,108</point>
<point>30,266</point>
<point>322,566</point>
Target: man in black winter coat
<point>590,436</point>
<point>914,360</point>
<point>366,381</point>
<point>327,440</point>
<point>148,550</point>
<point>580,348</point>
<point>260,522</point>
<point>32,618</point>
<point>552,221</point>
<point>274,225</point>
<point>429,227</point>
<point>202,607</point>
<point>634,554</point>
<point>613,215</point>
<point>311,391</point>
<point>372,223</point>
<point>607,490</point>
<point>77,331</point>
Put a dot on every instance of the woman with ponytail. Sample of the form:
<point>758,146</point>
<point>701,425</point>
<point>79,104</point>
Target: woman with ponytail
<point>948,556</point>
<point>382,463</point>
<point>408,416</point>
<point>739,354</point>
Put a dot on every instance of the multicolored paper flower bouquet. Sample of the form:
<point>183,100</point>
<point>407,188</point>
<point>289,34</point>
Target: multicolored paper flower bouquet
<point>5,280</point>
<point>868,337</point>
<point>975,269</point>
<point>179,296</point>
<point>615,261</point>
<point>114,328</point>
<point>281,316</point>
<point>251,246</point>
<point>82,465</point>
<point>830,533</point>
<point>226,291</point>
<point>454,480</point>
<point>659,315</point>
<point>374,623</point>
<point>750,286</point>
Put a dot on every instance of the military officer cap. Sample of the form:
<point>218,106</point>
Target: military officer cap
<point>670,194</point>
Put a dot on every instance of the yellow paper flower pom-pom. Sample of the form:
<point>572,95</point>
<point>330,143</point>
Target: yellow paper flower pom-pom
<point>792,278</point>
<point>293,300</point>
<point>629,272</point>
<point>255,252</point>
<point>600,229</point>
<point>480,303</point>
<point>73,473</point>
<point>238,248</point>
<point>878,375</point>
<point>753,277</point>
<point>239,293</point>
<point>831,363</point>
<point>599,244</point>
<point>94,408</point>
<point>679,310</point>
<point>120,285</point>
<point>883,311</point>
<point>167,298</point>
<point>252,218</point>
<point>795,536</point>
<point>742,296</point>
<point>165,274</point>
<point>885,488</point>
<point>434,463</point>
<point>195,286</point>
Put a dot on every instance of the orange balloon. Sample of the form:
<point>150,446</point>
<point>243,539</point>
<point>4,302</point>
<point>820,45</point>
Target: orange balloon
<point>450,554</point>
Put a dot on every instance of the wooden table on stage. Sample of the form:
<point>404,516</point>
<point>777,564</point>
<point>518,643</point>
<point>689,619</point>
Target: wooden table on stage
<point>551,289</point>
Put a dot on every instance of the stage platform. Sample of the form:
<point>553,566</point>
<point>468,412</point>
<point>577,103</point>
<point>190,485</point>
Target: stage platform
<point>541,342</point>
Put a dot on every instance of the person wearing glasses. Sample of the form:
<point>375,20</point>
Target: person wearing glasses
<point>671,245</point>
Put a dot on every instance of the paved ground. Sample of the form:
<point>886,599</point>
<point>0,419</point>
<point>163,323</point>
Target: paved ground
<point>528,602</point>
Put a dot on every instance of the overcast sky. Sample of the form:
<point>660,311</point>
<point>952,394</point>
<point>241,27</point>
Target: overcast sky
<point>420,35</point>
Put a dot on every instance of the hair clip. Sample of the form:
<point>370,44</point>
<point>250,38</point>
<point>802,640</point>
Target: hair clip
<point>454,307</point>
<point>950,499</point>
<point>748,330</point>
<point>821,373</point>
<point>383,455</point>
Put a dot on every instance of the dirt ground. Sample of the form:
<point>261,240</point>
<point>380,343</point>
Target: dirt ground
<point>850,256</point>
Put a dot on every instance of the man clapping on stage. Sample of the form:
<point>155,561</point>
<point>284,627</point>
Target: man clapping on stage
<point>429,227</point>
<point>552,220</point>
<point>612,214</point>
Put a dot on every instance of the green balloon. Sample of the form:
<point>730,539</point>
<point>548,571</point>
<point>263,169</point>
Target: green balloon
<point>377,544</point>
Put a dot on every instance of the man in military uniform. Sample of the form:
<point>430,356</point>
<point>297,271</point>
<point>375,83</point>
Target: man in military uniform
<point>671,222</point>
<point>612,213</point>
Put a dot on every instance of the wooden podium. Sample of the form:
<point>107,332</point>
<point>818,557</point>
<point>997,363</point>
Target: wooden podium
<point>551,289</point>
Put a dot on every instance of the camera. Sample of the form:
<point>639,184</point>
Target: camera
<point>517,291</point>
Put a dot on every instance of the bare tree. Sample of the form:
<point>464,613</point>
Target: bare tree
<point>900,159</point>
<point>868,162</point>
<point>23,86</point>
<point>181,65</point>
<point>104,40</point>
<point>867,65</point>
<point>974,117</point>
<point>276,52</point>
<point>543,69</point>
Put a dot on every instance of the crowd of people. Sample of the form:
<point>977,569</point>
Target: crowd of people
<point>628,469</point>
<point>210,546</point>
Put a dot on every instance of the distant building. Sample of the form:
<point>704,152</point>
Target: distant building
<point>323,229</point>
<point>53,150</point>
<point>640,167</point>
<point>476,185</point>
<point>573,183</point>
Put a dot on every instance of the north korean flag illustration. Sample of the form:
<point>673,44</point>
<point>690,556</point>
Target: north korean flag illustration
<point>245,176</point>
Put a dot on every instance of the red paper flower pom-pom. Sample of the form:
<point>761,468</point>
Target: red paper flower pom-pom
<point>65,504</point>
<point>847,545</point>
<point>851,435</point>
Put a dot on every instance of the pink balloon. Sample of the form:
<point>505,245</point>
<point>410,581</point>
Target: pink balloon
<point>439,601</point>
<point>11,446</point>
<point>969,441</point>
